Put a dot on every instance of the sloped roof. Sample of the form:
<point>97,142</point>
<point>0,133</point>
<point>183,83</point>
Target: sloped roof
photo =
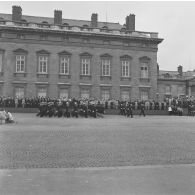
<point>186,75</point>
<point>162,72</point>
<point>71,22</point>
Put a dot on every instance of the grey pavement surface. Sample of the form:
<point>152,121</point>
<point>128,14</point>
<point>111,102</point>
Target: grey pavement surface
<point>169,179</point>
<point>113,155</point>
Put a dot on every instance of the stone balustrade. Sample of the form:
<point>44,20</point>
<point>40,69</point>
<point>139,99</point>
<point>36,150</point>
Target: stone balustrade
<point>121,32</point>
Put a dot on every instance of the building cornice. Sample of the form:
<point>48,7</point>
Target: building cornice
<point>135,37</point>
<point>78,44</point>
<point>169,79</point>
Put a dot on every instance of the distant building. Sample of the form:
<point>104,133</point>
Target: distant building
<point>58,57</point>
<point>176,83</point>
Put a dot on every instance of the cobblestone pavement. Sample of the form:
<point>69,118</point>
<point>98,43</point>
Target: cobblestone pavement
<point>112,141</point>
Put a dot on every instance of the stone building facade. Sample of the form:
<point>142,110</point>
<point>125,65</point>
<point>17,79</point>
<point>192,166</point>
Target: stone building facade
<point>176,83</point>
<point>58,57</point>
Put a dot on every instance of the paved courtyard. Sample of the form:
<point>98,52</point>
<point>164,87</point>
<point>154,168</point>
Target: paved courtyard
<point>112,141</point>
<point>113,155</point>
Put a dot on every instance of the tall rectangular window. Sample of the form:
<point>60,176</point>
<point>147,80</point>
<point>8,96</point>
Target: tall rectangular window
<point>125,68</point>
<point>19,92</point>
<point>144,70</point>
<point>106,67</point>
<point>42,92</point>
<point>85,66</point>
<point>180,90</point>
<point>168,90</point>
<point>85,94</point>
<point>124,95</point>
<point>105,94</point>
<point>64,93</point>
<point>64,65</point>
<point>1,62</point>
<point>43,63</point>
<point>20,63</point>
<point>144,95</point>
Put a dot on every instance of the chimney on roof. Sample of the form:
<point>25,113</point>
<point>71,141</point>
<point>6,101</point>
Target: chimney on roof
<point>16,13</point>
<point>180,70</point>
<point>94,20</point>
<point>57,17</point>
<point>130,22</point>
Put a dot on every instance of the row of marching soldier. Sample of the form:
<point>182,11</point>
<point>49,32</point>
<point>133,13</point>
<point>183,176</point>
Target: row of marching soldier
<point>126,109</point>
<point>70,108</point>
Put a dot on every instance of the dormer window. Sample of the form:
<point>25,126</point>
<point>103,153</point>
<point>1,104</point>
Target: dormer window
<point>104,29</point>
<point>24,22</point>
<point>65,26</point>
<point>45,24</point>
<point>85,26</point>
<point>167,75</point>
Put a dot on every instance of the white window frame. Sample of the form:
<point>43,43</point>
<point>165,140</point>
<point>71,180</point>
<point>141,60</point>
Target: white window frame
<point>85,66</point>
<point>64,65</point>
<point>144,70</point>
<point>20,63</point>
<point>180,90</point>
<point>168,90</point>
<point>125,95</point>
<point>43,64</point>
<point>85,93</point>
<point>125,68</point>
<point>63,93</point>
<point>105,93</point>
<point>42,90</point>
<point>106,67</point>
<point>144,95</point>
<point>19,92</point>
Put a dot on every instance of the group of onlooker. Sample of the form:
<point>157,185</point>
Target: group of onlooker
<point>34,102</point>
<point>6,116</point>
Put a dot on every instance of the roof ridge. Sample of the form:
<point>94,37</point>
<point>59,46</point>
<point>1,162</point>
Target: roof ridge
<point>63,19</point>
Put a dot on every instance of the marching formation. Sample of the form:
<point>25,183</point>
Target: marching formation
<point>71,108</point>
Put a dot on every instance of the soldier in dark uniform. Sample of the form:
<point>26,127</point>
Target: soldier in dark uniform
<point>92,111</point>
<point>75,109</point>
<point>142,109</point>
<point>85,111</point>
<point>59,109</point>
<point>67,107</point>
<point>42,109</point>
<point>50,109</point>
<point>129,110</point>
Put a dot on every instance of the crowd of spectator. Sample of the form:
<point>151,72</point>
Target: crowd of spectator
<point>108,104</point>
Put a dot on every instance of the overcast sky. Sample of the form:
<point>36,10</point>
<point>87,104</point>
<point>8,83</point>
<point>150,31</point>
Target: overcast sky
<point>174,21</point>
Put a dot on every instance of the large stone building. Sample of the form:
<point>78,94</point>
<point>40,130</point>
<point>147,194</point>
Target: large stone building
<point>176,83</point>
<point>59,57</point>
